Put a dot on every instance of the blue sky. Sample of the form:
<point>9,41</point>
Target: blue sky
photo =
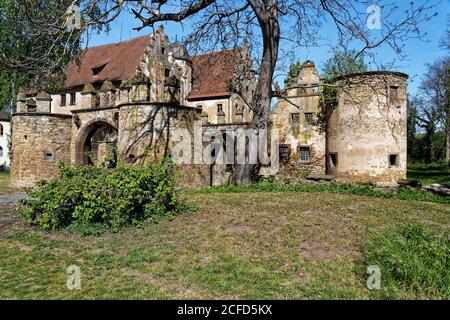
<point>419,52</point>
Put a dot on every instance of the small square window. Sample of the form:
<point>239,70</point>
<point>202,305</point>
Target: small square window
<point>73,98</point>
<point>393,160</point>
<point>333,160</point>
<point>63,100</point>
<point>302,90</point>
<point>315,88</point>
<point>309,117</point>
<point>284,153</point>
<point>304,154</point>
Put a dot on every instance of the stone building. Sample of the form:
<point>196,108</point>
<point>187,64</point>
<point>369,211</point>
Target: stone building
<point>364,137</point>
<point>4,138</point>
<point>133,96</point>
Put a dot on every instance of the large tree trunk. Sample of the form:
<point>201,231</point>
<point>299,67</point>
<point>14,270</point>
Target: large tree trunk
<point>268,21</point>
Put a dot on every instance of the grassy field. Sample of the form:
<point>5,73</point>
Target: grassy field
<point>4,181</point>
<point>259,245</point>
<point>429,173</point>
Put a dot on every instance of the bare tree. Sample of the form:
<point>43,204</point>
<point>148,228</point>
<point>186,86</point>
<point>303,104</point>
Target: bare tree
<point>435,94</point>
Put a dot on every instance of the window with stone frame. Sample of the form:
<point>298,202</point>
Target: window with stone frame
<point>315,88</point>
<point>393,95</point>
<point>284,153</point>
<point>167,72</point>
<point>309,118</point>
<point>295,119</point>
<point>394,160</point>
<point>304,154</point>
<point>219,108</point>
<point>63,102</point>
<point>1,130</point>
<point>73,98</point>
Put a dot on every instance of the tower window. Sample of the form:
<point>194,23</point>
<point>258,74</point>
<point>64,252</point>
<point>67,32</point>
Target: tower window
<point>393,94</point>
<point>393,160</point>
<point>333,160</point>
<point>167,72</point>
<point>1,130</point>
<point>219,108</point>
<point>48,155</point>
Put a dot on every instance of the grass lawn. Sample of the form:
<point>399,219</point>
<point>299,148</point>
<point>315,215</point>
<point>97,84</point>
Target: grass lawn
<point>429,173</point>
<point>255,245</point>
<point>4,181</point>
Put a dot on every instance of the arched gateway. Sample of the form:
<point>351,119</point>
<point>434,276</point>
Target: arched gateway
<point>94,142</point>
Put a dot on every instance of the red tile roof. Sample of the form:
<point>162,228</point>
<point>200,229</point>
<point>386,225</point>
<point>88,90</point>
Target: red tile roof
<point>119,60</point>
<point>211,72</point>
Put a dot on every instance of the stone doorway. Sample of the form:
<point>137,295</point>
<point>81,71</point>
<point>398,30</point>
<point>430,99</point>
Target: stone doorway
<point>95,143</point>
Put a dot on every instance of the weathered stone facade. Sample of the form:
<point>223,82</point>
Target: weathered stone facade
<point>294,118</point>
<point>366,135</point>
<point>40,142</point>
<point>139,109</point>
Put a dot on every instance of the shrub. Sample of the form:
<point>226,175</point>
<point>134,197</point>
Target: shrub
<point>115,197</point>
<point>412,259</point>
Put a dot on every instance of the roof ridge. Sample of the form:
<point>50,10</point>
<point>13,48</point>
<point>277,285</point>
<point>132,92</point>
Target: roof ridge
<point>118,42</point>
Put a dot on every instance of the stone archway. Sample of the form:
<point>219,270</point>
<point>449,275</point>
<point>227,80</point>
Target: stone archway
<point>93,142</point>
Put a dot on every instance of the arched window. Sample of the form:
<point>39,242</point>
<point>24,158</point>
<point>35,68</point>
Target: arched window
<point>1,130</point>
<point>1,152</point>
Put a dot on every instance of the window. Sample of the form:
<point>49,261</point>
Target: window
<point>167,73</point>
<point>1,130</point>
<point>333,160</point>
<point>73,98</point>
<point>63,100</point>
<point>393,160</point>
<point>302,90</point>
<point>219,108</point>
<point>284,153</point>
<point>304,153</point>
<point>163,50</point>
<point>393,94</point>
<point>96,71</point>
<point>1,152</point>
<point>295,118</point>
<point>48,155</point>
<point>315,88</point>
<point>309,117</point>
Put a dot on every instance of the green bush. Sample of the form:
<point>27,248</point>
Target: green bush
<point>412,259</point>
<point>114,197</point>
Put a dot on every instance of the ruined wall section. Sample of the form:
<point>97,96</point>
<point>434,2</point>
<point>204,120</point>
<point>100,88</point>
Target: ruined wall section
<point>366,137</point>
<point>293,119</point>
<point>39,142</point>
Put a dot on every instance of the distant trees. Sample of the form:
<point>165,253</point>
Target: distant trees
<point>431,110</point>
<point>342,63</point>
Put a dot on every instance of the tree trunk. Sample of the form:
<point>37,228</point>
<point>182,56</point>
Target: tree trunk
<point>268,21</point>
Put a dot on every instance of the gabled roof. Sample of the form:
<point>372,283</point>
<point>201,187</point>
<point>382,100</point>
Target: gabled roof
<point>211,72</point>
<point>119,61</point>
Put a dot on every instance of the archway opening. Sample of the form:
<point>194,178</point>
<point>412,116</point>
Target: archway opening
<point>97,143</point>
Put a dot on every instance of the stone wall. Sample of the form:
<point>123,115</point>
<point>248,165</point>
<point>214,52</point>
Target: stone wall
<point>39,143</point>
<point>366,137</point>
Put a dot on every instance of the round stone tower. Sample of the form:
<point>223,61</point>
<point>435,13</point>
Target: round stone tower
<point>366,132</point>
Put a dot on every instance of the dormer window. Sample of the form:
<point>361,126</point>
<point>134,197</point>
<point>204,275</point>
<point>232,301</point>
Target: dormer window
<point>96,71</point>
